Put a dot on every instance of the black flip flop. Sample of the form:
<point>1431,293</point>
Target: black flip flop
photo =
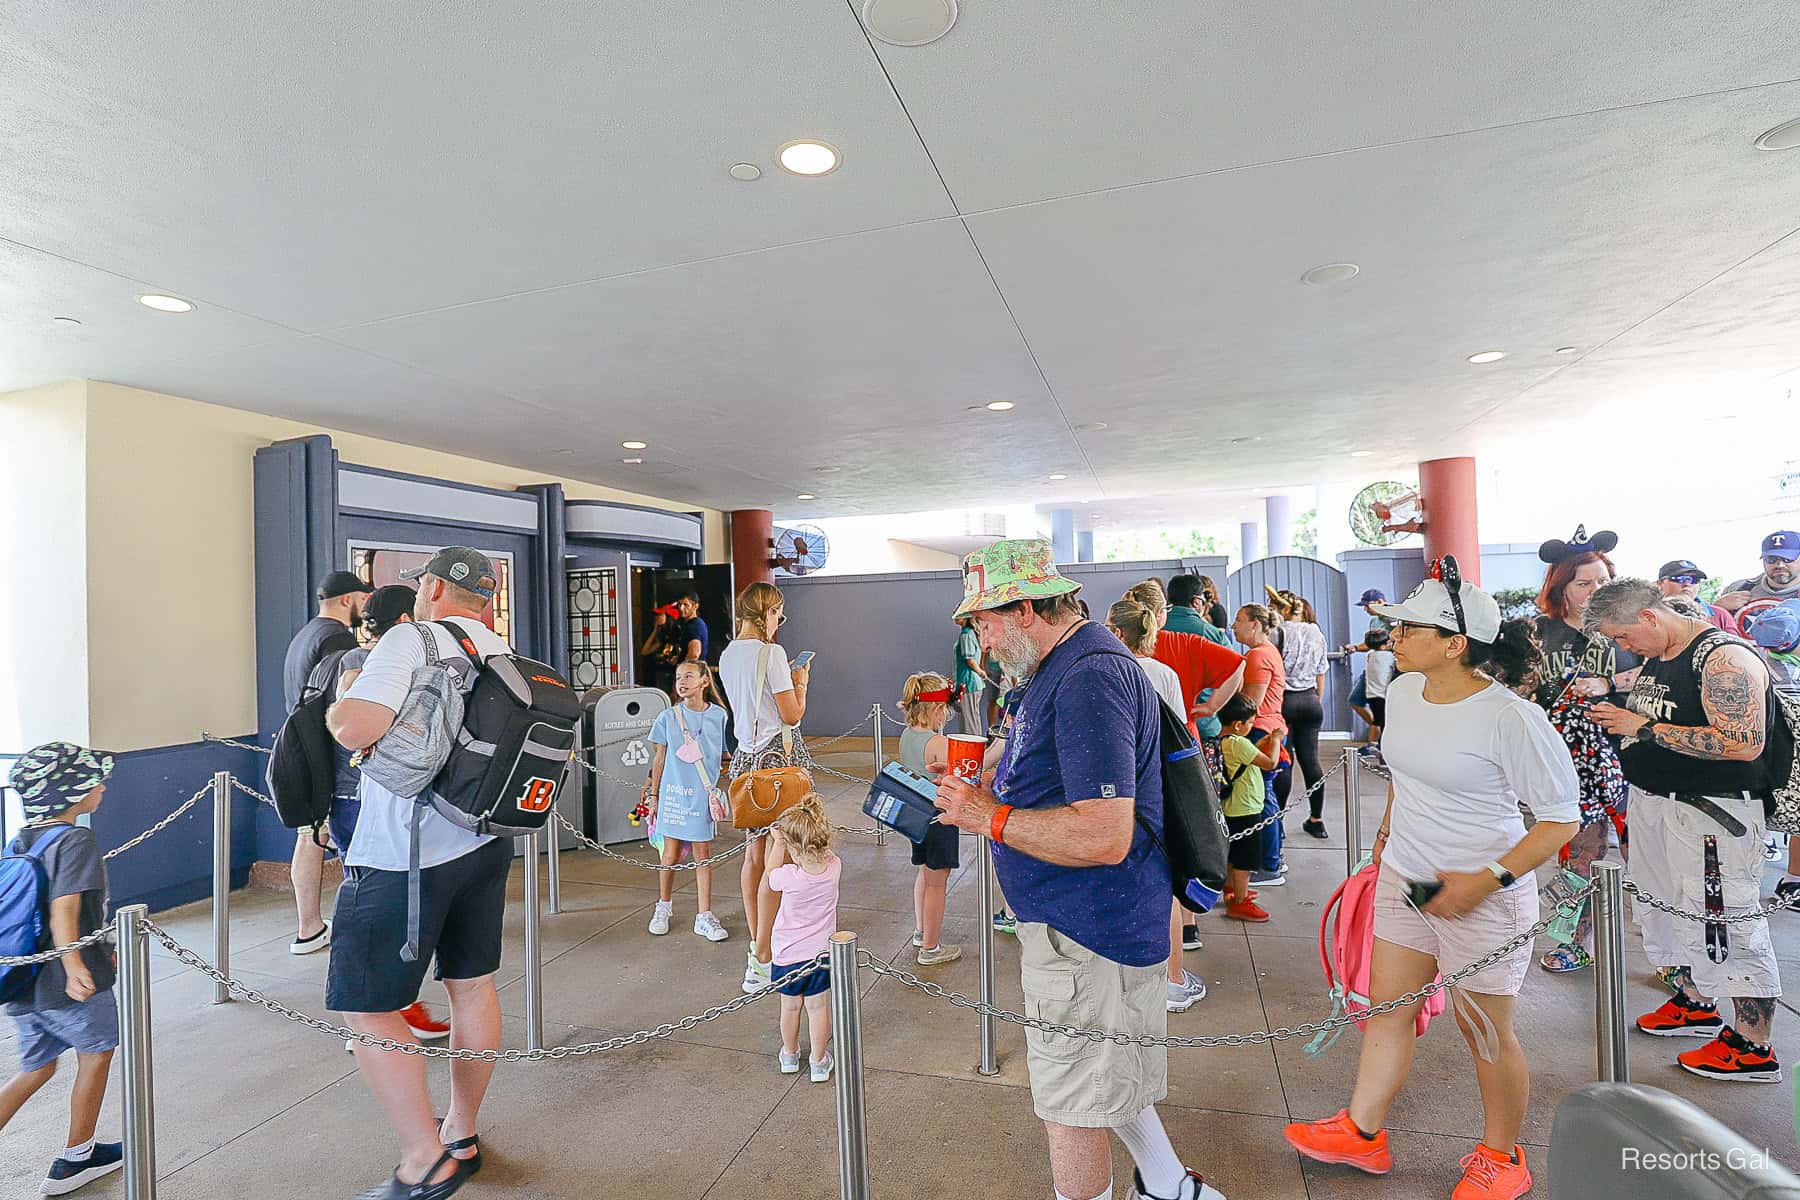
<point>394,1189</point>
<point>472,1142</point>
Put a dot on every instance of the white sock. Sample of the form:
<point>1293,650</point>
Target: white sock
<point>1106,1195</point>
<point>79,1153</point>
<point>1148,1143</point>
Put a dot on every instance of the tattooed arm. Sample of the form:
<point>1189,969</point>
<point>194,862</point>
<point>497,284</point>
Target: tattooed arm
<point>1733,687</point>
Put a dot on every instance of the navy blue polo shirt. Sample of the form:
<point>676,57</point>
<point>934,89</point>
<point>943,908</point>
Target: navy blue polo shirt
<point>1087,727</point>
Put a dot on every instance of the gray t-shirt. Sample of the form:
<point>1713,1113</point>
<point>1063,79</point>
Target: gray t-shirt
<point>317,638</point>
<point>73,866</point>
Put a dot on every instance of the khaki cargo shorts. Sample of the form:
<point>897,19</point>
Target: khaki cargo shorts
<point>1076,1082</point>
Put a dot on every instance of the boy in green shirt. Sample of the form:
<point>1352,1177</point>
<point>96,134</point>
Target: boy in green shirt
<point>1241,800</point>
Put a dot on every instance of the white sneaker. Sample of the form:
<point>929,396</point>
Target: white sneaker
<point>1189,992</point>
<point>821,1070</point>
<point>756,977</point>
<point>918,938</point>
<point>1192,1188</point>
<point>1772,847</point>
<point>790,1063</point>
<point>312,945</point>
<point>707,926</point>
<point>659,920</point>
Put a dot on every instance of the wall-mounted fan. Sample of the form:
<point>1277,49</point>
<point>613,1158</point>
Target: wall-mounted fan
<point>1385,512</point>
<point>800,550</point>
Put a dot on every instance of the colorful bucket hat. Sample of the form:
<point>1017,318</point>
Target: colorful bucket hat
<point>55,776</point>
<point>1008,571</point>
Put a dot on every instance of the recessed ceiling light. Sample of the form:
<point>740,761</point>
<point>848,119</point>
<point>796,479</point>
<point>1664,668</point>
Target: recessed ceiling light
<point>1059,476</point>
<point>1091,427</point>
<point>806,496</point>
<point>631,462</point>
<point>1331,273</point>
<point>1487,356</point>
<point>809,158</point>
<point>1361,453</point>
<point>999,406</point>
<point>166,304</point>
<point>908,22</point>
<point>745,172</point>
<point>634,445</point>
<point>1565,349</point>
<point>66,320</point>
<point>1785,136</point>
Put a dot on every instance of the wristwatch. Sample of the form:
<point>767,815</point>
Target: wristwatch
<point>1502,874</point>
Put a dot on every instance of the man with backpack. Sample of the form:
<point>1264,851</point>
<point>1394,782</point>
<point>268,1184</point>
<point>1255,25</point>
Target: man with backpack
<point>1075,815</point>
<point>1697,730</point>
<point>52,893</point>
<point>341,596</point>
<point>461,890</point>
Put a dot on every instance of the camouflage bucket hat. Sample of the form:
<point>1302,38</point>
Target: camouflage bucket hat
<point>53,777</point>
<point>1021,569</point>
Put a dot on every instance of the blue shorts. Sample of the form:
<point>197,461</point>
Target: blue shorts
<point>91,1027</point>
<point>813,985</point>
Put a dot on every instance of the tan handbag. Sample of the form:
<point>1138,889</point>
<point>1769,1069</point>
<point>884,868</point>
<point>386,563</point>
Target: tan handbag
<point>762,794</point>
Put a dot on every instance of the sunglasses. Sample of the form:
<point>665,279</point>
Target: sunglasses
<point>1446,572</point>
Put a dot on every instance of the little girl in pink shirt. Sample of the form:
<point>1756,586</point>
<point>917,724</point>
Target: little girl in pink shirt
<point>805,871</point>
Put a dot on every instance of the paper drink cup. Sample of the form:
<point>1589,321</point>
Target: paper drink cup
<point>966,751</point>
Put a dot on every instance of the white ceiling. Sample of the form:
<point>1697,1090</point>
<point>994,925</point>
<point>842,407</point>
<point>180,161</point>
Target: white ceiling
<point>511,234</point>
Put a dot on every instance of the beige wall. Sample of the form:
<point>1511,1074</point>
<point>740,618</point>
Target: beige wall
<point>170,568</point>
<point>43,519</point>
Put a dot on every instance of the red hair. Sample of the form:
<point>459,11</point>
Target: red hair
<point>1550,596</point>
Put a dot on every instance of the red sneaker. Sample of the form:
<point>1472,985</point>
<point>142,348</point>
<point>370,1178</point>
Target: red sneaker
<point>1338,1140</point>
<point>1731,1056</point>
<point>1230,897</point>
<point>1249,910</point>
<point>1491,1175</point>
<point>1681,1017</point>
<point>424,1026</point>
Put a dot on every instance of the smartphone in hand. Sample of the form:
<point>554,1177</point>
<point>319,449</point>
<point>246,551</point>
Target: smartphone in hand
<point>802,660</point>
<point>1420,893</point>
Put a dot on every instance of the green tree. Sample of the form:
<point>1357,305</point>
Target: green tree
<point>1306,534</point>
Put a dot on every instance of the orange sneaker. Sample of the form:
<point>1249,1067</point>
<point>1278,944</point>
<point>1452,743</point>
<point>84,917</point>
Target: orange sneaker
<point>1490,1175</point>
<point>1338,1140</point>
<point>1249,910</point>
<point>1681,1017</point>
<point>1731,1056</point>
<point>424,1026</point>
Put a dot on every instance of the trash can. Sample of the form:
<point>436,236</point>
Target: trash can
<point>622,751</point>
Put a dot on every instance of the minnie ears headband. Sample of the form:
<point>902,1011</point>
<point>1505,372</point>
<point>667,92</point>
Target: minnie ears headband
<point>1554,550</point>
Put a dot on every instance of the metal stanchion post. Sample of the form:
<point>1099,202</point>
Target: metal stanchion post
<point>134,1047</point>
<point>534,953</point>
<point>846,1039</point>
<point>984,862</point>
<point>875,714</point>
<point>222,881</point>
<point>553,848</point>
<point>1352,811</point>
<point>1609,972</point>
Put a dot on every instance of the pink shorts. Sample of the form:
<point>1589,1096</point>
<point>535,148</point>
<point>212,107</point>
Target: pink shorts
<point>1456,944</point>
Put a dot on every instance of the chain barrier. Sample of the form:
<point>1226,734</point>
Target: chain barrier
<point>160,825</point>
<point>1755,914</point>
<point>832,741</point>
<point>1254,1038</point>
<point>43,956</point>
<point>819,766</point>
<point>1375,768</point>
<point>207,737</point>
<point>251,792</point>
<point>341,1033</point>
<point>1282,811</point>
<point>694,865</point>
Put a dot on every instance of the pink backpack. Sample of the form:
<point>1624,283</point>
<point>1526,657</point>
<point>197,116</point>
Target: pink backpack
<point>1346,944</point>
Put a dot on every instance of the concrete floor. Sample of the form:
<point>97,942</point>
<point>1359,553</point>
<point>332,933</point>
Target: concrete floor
<point>248,1104</point>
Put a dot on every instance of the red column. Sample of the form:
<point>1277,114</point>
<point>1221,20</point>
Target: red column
<point>1447,488</point>
<point>752,535</point>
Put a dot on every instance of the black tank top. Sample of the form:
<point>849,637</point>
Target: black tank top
<point>1668,692</point>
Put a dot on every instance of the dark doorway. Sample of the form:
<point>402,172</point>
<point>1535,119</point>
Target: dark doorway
<point>654,588</point>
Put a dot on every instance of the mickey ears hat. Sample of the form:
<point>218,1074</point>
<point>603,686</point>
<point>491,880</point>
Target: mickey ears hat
<point>1554,550</point>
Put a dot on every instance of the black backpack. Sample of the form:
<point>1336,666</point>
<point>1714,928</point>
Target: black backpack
<point>1779,761</point>
<point>303,768</point>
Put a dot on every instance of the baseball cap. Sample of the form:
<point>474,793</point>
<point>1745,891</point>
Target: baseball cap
<point>388,604</point>
<point>1430,604</point>
<point>468,569</point>
<point>1373,596</point>
<point>1783,543</point>
<point>341,583</point>
<point>1777,629</point>
<point>51,778</point>
<point>1680,566</point>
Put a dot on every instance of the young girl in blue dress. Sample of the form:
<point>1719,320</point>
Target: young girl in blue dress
<point>684,780</point>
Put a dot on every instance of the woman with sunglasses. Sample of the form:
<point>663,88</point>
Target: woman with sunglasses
<point>766,697</point>
<point>1455,863</point>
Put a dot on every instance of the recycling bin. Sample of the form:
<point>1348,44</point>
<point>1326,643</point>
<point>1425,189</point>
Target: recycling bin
<point>619,730</point>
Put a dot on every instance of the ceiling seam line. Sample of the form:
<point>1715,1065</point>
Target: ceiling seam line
<point>906,112</point>
<point>1645,319</point>
<point>1043,376</point>
<point>1388,145</point>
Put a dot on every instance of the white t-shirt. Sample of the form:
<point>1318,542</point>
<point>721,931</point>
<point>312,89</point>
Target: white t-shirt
<point>1378,672</point>
<point>383,838</point>
<point>754,718</point>
<point>1167,685</point>
<point>1460,771</point>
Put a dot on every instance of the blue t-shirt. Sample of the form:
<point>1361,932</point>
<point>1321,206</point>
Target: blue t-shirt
<point>1088,726</point>
<point>694,630</point>
<point>1185,618</point>
<point>686,786</point>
